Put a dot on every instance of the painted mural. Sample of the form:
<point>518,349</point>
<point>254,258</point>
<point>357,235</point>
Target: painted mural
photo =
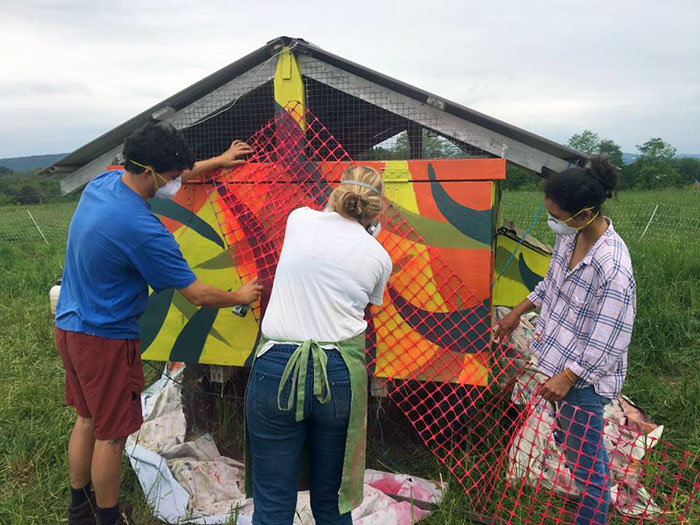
<point>449,211</point>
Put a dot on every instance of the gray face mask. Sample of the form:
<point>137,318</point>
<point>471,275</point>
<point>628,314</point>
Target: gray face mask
<point>169,189</point>
<point>374,228</point>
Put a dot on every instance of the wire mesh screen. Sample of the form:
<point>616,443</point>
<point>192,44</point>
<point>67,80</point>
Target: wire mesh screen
<point>371,126</point>
<point>474,405</point>
<point>366,120</point>
<point>668,223</point>
<point>212,134</point>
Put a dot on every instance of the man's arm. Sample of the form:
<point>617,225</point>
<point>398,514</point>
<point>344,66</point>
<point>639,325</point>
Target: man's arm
<point>228,159</point>
<point>201,294</point>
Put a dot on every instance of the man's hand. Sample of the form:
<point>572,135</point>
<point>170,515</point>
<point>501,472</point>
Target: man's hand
<point>249,292</point>
<point>232,156</point>
<point>506,326</point>
<point>556,387</point>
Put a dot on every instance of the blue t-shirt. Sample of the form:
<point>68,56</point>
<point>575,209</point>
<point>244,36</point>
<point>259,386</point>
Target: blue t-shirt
<point>116,249</point>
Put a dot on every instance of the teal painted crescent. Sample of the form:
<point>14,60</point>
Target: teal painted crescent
<point>476,224</point>
<point>530,279</point>
<point>153,318</point>
<point>520,273</point>
<point>190,341</point>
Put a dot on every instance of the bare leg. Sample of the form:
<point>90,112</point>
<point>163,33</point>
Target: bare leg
<point>106,471</point>
<point>80,447</point>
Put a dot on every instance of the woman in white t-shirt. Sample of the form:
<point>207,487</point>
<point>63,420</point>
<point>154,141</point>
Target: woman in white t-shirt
<point>309,381</point>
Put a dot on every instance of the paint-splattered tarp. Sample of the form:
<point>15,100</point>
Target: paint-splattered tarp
<point>191,482</point>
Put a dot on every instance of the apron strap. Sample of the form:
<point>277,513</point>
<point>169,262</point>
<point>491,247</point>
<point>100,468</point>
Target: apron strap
<point>297,368</point>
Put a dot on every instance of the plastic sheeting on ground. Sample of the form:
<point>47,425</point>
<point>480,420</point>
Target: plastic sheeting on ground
<point>191,482</point>
<point>538,459</point>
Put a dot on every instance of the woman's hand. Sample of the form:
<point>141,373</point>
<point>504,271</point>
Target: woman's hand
<point>556,387</point>
<point>506,326</point>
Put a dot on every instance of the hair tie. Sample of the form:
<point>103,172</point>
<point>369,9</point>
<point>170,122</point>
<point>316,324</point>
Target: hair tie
<point>363,184</point>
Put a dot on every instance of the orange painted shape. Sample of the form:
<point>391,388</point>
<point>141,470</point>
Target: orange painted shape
<point>458,169</point>
<point>472,267</point>
<point>474,195</point>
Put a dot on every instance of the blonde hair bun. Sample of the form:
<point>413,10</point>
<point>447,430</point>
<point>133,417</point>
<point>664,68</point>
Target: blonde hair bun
<point>358,201</point>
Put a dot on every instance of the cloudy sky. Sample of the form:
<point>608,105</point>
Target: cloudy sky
<point>630,70</point>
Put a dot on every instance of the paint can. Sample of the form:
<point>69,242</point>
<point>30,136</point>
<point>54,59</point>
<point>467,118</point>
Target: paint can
<point>53,296</point>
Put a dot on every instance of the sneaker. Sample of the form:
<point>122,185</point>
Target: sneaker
<point>84,514</point>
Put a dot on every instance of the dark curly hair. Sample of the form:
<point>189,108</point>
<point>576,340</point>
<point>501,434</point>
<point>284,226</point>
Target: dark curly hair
<point>159,145</point>
<point>577,188</point>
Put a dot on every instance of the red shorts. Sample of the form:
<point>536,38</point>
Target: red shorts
<point>104,380</point>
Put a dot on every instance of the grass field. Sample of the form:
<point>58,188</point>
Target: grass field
<point>664,376</point>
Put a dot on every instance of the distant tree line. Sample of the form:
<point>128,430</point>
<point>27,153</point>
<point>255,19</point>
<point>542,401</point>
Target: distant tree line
<point>26,187</point>
<point>656,166</point>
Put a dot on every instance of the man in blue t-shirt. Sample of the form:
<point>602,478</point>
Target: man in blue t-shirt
<point>116,249</point>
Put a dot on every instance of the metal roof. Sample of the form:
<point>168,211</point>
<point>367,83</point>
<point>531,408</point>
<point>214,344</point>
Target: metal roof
<point>116,136</point>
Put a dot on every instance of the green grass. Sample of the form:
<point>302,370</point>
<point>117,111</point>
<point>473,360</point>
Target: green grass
<point>16,224</point>
<point>664,376</point>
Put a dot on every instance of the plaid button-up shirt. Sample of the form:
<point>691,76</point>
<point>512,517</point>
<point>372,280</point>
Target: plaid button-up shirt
<point>587,313</point>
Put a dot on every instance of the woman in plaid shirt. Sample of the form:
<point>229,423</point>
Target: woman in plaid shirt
<point>588,305</point>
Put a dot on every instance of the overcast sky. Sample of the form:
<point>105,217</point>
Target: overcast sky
<point>630,70</point>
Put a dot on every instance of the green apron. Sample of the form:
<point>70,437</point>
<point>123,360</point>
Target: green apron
<point>353,353</point>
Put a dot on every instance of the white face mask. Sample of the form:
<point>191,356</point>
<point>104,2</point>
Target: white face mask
<point>559,227</point>
<point>169,189</point>
<point>562,228</point>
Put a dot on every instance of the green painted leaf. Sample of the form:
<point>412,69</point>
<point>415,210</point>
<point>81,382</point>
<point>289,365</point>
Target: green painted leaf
<point>153,318</point>
<point>172,210</point>
<point>439,234</point>
<point>187,309</point>
<point>512,271</point>
<point>190,341</point>
<point>219,262</point>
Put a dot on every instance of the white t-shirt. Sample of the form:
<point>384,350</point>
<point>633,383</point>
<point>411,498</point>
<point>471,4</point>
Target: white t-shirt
<point>330,268</point>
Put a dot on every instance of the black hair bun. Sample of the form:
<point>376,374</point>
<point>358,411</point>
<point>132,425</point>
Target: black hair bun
<point>607,175</point>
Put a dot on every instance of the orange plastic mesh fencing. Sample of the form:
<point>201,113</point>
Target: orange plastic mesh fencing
<point>474,404</point>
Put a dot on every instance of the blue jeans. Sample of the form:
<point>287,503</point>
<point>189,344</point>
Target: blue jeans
<point>276,440</point>
<point>581,430</point>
